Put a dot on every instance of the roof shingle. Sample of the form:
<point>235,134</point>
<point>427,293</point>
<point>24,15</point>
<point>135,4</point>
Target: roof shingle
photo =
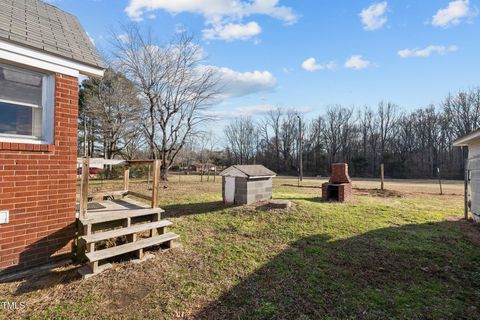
<point>253,170</point>
<point>42,26</point>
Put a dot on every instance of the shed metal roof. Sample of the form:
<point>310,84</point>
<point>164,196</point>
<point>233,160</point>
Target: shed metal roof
<point>41,26</point>
<point>254,170</point>
<point>472,137</point>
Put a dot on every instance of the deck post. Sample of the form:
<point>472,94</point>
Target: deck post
<point>84,187</point>
<point>126,177</point>
<point>155,182</point>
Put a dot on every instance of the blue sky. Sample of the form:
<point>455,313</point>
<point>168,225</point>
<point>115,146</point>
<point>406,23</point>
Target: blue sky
<point>306,54</point>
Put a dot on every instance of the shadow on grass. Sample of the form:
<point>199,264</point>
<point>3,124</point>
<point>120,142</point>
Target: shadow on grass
<point>424,271</point>
<point>178,210</point>
<point>301,186</point>
<point>43,253</point>
<point>311,199</point>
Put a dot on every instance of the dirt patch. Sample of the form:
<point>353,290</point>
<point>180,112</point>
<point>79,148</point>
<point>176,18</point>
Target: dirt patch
<point>283,205</point>
<point>378,193</point>
<point>471,231</point>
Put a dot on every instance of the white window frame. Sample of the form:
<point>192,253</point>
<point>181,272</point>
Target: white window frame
<point>48,111</point>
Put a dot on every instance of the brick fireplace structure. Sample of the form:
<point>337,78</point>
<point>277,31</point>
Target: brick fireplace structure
<point>339,187</point>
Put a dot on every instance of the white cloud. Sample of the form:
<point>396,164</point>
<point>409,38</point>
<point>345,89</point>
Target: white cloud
<point>373,17</point>
<point>453,14</point>
<point>426,52</point>
<point>311,65</point>
<point>123,38</point>
<point>254,110</point>
<point>250,111</point>
<point>222,17</point>
<point>357,62</point>
<point>236,84</point>
<point>213,8</point>
<point>232,31</point>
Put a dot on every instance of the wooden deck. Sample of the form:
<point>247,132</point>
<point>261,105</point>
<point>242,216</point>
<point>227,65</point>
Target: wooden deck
<point>117,218</point>
<point>111,210</point>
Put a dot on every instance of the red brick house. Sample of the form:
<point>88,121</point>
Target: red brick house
<point>43,51</point>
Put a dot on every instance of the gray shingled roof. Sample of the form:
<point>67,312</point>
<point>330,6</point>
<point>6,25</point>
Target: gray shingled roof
<point>39,25</point>
<point>253,170</point>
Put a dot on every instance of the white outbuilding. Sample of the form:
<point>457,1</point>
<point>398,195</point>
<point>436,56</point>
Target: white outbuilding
<point>246,184</point>
<point>472,172</point>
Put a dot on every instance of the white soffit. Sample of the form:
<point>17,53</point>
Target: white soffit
<point>24,56</point>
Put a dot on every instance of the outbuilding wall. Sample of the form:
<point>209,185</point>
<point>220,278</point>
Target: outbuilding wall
<point>252,190</point>
<point>474,167</point>
<point>38,187</point>
<point>248,191</point>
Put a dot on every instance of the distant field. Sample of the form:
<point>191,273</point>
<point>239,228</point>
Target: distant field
<point>400,253</point>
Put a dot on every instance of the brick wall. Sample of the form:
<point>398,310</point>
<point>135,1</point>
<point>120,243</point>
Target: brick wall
<point>340,173</point>
<point>38,186</point>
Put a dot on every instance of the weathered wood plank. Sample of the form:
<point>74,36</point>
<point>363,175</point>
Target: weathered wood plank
<point>126,231</point>
<point>129,247</point>
<point>84,188</point>
<point>126,178</point>
<point>156,182</point>
<point>114,215</point>
<point>139,195</point>
<point>108,194</point>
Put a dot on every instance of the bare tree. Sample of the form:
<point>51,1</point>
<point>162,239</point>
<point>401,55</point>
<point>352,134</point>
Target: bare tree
<point>175,87</point>
<point>112,102</point>
<point>240,137</point>
<point>337,127</point>
<point>386,118</point>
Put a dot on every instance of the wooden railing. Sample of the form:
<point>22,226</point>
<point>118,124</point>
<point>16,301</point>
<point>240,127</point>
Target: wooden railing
<point>84,193</point>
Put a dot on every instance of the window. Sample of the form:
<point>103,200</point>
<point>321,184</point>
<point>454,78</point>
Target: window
<point>26,105</point>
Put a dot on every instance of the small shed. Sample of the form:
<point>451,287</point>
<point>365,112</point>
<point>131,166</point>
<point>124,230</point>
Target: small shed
<point>472,172</point>
<point>245,184</point>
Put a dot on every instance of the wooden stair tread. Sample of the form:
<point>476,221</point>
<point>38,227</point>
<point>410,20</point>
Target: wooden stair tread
<point>126,231</point>
<point>129,247</point>
<point>113,215</point>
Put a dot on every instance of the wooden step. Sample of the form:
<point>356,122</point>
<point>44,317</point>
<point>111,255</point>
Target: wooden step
<point>112,215</point>
<point>129,247</point>
<point>126,231</point>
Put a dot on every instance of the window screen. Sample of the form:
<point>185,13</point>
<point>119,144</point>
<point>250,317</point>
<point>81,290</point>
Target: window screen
<point>20,102</point>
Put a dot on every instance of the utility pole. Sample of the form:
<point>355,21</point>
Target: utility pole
<point>300,151</point>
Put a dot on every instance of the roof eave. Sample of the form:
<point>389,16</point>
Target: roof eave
<point>467,139</point>
<point>23,54</point>
<point>262,177</point>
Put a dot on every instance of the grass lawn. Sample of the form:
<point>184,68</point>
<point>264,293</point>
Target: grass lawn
<point>398,254</point>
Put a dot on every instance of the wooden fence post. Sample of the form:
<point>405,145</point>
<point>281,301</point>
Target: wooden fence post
<point>126,177</point>
<point>155,181</point>
<point>84,187</point>
<point>381,176</point>
<point>439,181</point>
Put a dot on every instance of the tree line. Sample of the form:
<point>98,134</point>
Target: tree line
<point>152,104</point>
<point>411,144</point>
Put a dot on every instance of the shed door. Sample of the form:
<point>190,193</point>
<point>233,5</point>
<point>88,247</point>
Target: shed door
<point>229,189</point>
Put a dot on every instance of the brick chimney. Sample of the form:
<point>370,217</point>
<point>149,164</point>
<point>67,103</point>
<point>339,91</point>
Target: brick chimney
<point>340,174</point>
<point>339,187</point>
